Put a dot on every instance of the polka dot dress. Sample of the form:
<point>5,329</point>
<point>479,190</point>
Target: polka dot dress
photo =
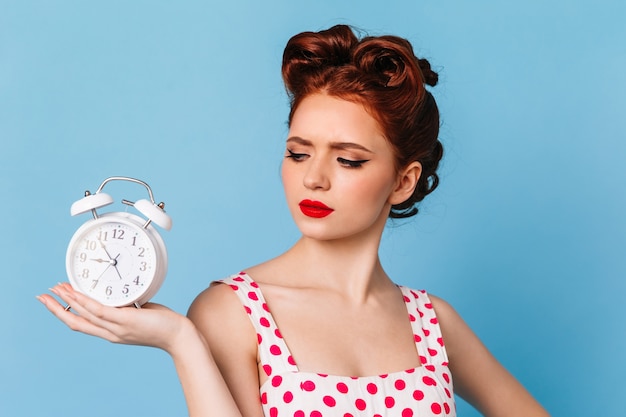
<point>422,391</point>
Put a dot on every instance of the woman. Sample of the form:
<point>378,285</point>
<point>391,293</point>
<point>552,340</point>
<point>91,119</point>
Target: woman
<point>323,330</point>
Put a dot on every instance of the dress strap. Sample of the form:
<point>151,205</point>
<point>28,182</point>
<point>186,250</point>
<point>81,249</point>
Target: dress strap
<point>425,325</point>
<point>274,354</point>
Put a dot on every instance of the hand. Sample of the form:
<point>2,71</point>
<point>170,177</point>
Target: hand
<point>152,325</point>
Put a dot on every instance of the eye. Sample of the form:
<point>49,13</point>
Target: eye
<point>298,157</point>
<point>348,163</point>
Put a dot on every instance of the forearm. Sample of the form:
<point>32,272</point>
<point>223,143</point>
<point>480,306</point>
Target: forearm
<point>204,388</point>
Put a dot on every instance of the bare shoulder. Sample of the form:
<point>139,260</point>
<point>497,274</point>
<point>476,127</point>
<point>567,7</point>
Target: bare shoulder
<point>221,319</point>
<point>478,376</point>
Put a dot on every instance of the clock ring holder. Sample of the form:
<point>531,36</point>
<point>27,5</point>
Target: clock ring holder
<point>91,236</point>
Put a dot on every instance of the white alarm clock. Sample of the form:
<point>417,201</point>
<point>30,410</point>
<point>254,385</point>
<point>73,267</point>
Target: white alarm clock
<point>118,258</point>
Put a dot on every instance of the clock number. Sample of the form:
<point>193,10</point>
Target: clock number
<point>125,289</point>
<point>103,236</point>
<point>118,234</point>
<point>85,273</point>
<point>90,244</point>
<point>82,257</point>
<point>136,280</point>
<point>141,252</point>
<point>143,266</point>
<point>109,290</point>
<point>134,240</point>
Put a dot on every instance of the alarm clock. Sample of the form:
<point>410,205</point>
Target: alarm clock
<point>118,258</point>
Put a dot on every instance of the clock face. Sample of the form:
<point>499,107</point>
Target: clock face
<point>112,260</point>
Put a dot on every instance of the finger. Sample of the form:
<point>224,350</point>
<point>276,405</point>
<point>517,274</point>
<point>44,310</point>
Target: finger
<point>76,322</point>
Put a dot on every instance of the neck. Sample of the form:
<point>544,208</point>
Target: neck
<point>349,267</point>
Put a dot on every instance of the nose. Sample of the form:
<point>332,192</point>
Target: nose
<point>316,176</point>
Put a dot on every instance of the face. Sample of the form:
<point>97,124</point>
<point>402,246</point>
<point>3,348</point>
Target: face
<point>338,174</point>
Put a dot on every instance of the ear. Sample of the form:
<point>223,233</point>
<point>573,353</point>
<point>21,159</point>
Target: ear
<point>406,183</point>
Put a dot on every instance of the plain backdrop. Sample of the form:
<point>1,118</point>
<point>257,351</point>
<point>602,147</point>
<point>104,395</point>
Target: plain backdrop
<point>526,235</point>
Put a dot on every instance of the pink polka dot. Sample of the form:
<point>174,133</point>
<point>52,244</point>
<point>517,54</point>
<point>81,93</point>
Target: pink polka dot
<point>299,413</point>
<point>429,381</point>
<point>434,320</point>
<point>423,359</point>
<point>417,338</point>
<point>372,388</point>
<point>426,332</point>
<point>435,408</point>
<point>277,333</point>
<point>448,394</point>
<point>264,322</point>
<point>254,284</point>
<point>273,412</point>
<point>389,402</point>
<point>287,397</point>
<point>342,388</point>
<point>308,386</point>
<point>440,341</point>
<point>265,307</point>
<point>264,398</point>
<point>406,299</point>
<point>316,413</point>
<point>360,404</point>
<point>412,317</point>
<point>267,369</point>
<point>248,310</point>
<point>432,352</point>
<point>400,384</point>
<point>428,306</point>
<point>234,287</point>
<point>407,412</point>
<point>291,361</point>
<point>446,408</point>
<point>259,338</point>
<point>431,368</point>
<point>418,395</point>
<point>446,377</point>
<point>238,279</point>
<point>348,415</point>
<point>275,350</point>
<point>329,401</point>
<point>252,295</point>
<point>410,371</point>
<point>277,380</point>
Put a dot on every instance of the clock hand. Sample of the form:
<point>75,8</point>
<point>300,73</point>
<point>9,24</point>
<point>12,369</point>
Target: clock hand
<point>114,263</point>
<point>101,260</point>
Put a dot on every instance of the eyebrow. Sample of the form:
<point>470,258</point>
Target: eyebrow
<point>333,145</point>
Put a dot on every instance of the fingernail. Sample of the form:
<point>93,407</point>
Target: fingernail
<point>41,299</point>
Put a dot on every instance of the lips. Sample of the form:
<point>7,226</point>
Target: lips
<point>315,209</point>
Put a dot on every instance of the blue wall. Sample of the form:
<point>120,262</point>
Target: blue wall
<point>525,237</point>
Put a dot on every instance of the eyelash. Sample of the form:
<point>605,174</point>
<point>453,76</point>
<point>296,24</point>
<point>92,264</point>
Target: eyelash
<point>352,164</point>
<point>348,163</point>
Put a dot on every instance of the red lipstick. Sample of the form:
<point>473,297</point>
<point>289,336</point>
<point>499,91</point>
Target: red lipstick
<point>315,209</point>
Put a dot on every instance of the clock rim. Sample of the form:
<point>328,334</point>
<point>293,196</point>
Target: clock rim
<point>153,235</point>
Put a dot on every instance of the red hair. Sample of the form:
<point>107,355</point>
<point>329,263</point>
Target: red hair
<point>383,74</point>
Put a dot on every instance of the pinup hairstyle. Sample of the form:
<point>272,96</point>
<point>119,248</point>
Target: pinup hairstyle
<point>383,74</point>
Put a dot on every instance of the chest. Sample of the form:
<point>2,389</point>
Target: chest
<point>328,336</point>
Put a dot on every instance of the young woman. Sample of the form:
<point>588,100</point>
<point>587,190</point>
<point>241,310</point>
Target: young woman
<point>321,330</point>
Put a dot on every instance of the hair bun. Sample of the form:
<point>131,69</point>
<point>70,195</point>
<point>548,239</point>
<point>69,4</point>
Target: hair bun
<point>430,77</point>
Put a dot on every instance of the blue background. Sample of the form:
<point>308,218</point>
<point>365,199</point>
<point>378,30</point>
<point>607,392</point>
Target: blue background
<point>525,236</point>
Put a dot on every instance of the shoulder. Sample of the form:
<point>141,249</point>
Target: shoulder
<point>223,322</point>
<point>218,308</point>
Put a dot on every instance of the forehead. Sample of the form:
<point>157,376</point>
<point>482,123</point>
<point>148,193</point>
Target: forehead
<point>323,117</point>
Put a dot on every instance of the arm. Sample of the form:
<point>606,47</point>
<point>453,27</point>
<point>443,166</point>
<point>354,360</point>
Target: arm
<point>221,319</point>
<point>478,377</point>
<point>157,326</point>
